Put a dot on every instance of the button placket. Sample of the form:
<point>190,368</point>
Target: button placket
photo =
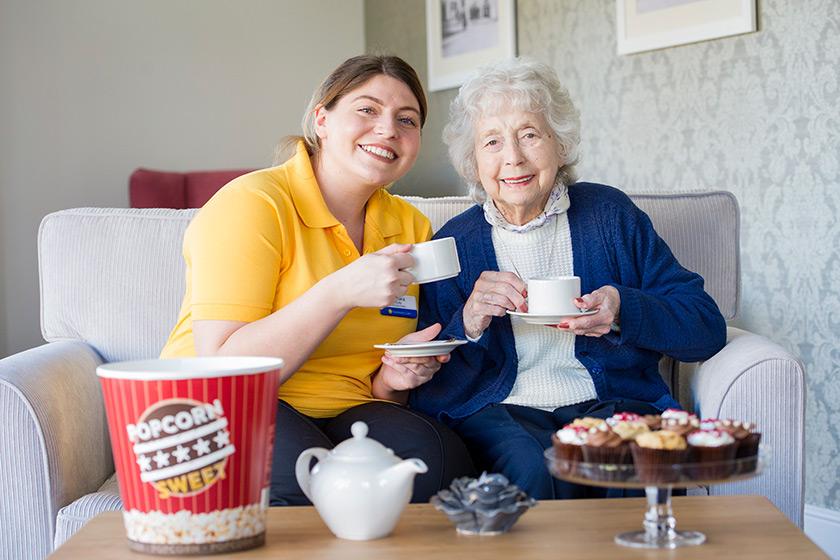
<point>343,243</point>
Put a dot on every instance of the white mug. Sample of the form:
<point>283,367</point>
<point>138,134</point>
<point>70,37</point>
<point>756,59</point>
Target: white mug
<point>435,260</point>
<point>553,296</point>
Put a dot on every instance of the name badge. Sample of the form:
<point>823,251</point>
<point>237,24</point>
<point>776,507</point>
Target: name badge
<point>404,306</point>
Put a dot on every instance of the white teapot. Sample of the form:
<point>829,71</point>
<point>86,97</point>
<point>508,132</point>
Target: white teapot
<point>360,488</point>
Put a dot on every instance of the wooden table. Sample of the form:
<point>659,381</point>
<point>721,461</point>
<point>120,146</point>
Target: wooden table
<point>746,526</point>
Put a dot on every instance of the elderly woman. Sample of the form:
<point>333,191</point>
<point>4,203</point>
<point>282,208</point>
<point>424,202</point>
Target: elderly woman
<point>514,137</point>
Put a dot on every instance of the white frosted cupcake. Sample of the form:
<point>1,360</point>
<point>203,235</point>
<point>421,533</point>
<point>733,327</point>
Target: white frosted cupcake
<point>568,446</point>
<point>711,453</point>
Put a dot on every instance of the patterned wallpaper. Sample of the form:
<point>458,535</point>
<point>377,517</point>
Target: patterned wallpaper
<point>758,115</point>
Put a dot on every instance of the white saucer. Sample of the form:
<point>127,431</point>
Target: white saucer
<point>535,319</point>
<point>421,349</point>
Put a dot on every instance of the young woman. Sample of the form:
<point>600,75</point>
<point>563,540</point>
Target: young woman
<point>297,261</point>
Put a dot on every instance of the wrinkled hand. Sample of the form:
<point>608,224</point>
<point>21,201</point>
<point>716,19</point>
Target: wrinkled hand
<point>375,279</point>
<point>401,374</point>
<point>494,294</point>
<point>608,303</point>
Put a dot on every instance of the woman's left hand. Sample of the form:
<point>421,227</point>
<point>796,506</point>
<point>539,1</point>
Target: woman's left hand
<point>402,374</point>
<point>607,301</point>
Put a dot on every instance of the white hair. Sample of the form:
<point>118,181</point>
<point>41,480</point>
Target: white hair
<point>519,84</point>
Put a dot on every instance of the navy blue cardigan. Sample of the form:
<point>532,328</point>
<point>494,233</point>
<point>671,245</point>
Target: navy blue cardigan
<point>664,309</point>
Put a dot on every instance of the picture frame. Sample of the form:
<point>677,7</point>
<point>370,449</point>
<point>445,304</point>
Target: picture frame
<point>644,25</point>
<point>462,35</point>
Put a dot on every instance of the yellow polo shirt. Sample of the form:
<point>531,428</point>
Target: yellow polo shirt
<point>262,241</point>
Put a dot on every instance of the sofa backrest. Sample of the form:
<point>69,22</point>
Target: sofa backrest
<point>114,277</point>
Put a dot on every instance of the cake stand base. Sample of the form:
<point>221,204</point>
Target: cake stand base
<point>640,539</point>
<point>659,525</point>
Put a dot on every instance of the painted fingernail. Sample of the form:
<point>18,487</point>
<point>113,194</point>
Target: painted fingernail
<point>563,325</point>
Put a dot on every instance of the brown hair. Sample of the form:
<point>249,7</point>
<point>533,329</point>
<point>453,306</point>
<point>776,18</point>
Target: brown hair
<point>351,74</point>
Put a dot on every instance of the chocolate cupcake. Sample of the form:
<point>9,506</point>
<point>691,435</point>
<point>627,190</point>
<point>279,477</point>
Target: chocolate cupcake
<point>568,447</point>
<point>711,454</point>
<point>747,437</point>
<point>679,421</point>
<point>606,452</point>
<point>655,452</point>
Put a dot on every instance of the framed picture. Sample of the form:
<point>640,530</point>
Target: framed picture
<point>645,25</point>
<point>464,34</point>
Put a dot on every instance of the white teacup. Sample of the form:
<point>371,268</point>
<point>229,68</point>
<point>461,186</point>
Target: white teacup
<point>553,296</point>
<point>435,260</point>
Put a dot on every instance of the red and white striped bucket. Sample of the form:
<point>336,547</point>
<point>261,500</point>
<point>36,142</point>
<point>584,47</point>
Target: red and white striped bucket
<point>192,441</point>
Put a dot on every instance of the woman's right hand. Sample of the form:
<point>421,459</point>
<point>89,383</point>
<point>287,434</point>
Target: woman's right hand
<point>494,294</point>
<point>375,279</point>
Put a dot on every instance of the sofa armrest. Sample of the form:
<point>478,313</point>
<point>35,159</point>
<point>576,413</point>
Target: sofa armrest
<point>759,381</point>
<point>54,443</point>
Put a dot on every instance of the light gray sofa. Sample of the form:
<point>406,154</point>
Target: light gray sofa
<point>111,285</point>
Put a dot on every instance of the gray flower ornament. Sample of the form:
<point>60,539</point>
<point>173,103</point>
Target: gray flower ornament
<point>488,505</point>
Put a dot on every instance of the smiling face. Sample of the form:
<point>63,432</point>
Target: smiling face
<point>371,136</point>
<point>518,159</point>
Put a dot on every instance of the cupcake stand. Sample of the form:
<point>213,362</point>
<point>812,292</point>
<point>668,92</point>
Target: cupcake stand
<point>658,481</point>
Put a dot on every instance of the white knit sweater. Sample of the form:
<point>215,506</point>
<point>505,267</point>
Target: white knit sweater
<point>549,375</point>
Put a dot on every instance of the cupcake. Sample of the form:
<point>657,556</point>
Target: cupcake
<point>627,425</point>
<point>679,421</point>
<point>568,447</point>
<point>653,454</point>
<point>711,453</point>
<point>606,451</point>
<point>748,438</point>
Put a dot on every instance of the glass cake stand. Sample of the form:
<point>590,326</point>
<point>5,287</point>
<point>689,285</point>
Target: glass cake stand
<point>659,526</point>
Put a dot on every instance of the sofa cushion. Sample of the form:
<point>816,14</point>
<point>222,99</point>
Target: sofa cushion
<point>112,277</point>
<point>703,231</point>
<point>72,517</point>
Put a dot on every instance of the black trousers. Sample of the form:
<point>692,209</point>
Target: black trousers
<point>410,434</point>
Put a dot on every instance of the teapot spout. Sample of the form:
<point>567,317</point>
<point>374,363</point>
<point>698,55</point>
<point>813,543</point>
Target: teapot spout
<point>402,472</point>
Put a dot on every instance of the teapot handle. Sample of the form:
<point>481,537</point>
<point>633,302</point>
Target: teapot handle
<point>302,472</point>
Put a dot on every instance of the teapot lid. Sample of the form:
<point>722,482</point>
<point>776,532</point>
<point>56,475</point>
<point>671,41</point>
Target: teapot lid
<point>360,447</point>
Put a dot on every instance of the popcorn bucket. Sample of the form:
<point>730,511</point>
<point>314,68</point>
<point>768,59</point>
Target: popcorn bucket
<point>192,442</point>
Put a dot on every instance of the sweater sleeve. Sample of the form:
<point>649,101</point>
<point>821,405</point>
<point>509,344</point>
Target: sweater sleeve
<point>663,306</point>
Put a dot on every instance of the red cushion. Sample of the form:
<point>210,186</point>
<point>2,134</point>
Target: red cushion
<point>156,189</point>
<point>148,188</point>
<point>201,185</point>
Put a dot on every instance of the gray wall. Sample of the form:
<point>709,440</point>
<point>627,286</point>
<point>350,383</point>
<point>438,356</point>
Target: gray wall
<point>756,115</point>
<point>91,89</point>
